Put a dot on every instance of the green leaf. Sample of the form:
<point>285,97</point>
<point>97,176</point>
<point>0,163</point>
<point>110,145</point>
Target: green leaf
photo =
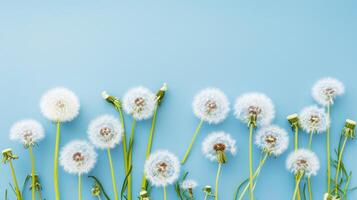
<point>240,186</point>
<point>125,184</point>
<point>28,177</point>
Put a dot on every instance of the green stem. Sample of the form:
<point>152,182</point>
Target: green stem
<point>298,190</point>
<point>33,188</point>
<point>55,165</point>
<point>296,144</point>
<point>297,186</point>
<point>148,148</point>
<point>217,179</point>
<point>346,186</point>
<point>131,143</point>
<point>99,197</point>
<point>310,140</point>
<point>309,188</point>
<point>296,147</point>
<point>256,174</point>
<point>79,187</point>
<point>328,153</point>
<point>339,164</point>
<point>113,175</point>
<point>17,188</point>
<point>165,195</point>
<point>192,142</point>
<point>206,196</point>
<point>251,196</point>
<point>125,152</point>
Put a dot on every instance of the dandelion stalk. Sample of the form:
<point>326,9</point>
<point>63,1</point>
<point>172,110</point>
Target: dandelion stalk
<point>118,107</point>
<point>125,151</point>
<point>113,175</point>
<point>148,148</point>
<point>159,97</point>
<point>251,196</point>
<point>192,142</point>
<point>309,187</point>
<point>217,179</point>
<point>165,195</point>
<point>8,156</point>
<point>310,140</point>
<point>17,188</point>
<point>297,185</point>
<point>55,165</point>
<point>79,187</point>
<point>339,163</point>
<point>308,179</point>
<point>256,174</point>
<point>131,142</point>
<point>33,188</point>
<point>294,121</point>
<point>348,132</point>
<point>328,153</point>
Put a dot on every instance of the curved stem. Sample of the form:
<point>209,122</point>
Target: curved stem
<point>131,143</point>
<point>113,175</point>
<point>297,186</point>
<point>339,164</point>
<point>148,148</point>
<point>328,152</point>
<point>79,187</point>
<point>256,174</point>
<point>33,187</point>
<point>309,188</point>
<point>17,188</point>
<point>165,195</point>
<point>55,163</point>
<point>192,142</point>
<point>251,196</point>
<point>217,179</point>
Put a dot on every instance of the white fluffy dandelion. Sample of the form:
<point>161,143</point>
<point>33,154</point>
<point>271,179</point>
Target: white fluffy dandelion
<point>78,157</point>
<point>189,184</point>
<point>257,105</point>
<point>272,139</point>
<point>211,105</point>
<point>326,90</point>
<point>303,160</point>
<point>218,141</point>
<point>162,168</point>
<point>105,132</point>
<point>140,103</point>
<point>313,119</point>
<point>59,104</point>
<point>27,131</point>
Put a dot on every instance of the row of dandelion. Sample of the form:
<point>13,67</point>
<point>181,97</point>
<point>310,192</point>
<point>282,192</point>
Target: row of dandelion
<point>162,168</point>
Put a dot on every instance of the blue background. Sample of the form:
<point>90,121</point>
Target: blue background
<point>277,47</point>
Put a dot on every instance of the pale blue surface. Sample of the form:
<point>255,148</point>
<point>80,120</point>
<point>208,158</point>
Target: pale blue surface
<point>277,47</point>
